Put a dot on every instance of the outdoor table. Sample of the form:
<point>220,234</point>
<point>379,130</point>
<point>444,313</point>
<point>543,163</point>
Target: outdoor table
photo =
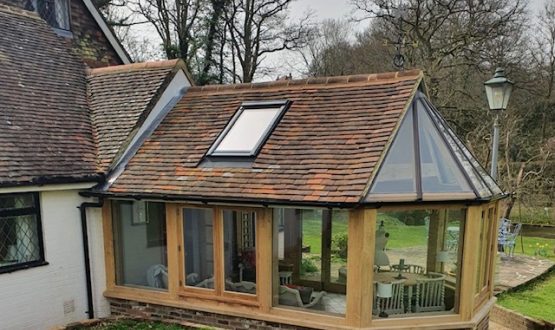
<point>410,281</point>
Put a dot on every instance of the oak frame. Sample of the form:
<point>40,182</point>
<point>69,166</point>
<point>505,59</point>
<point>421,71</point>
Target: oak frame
<point>362,224</point>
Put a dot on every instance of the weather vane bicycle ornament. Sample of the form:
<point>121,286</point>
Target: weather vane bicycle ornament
<point>399,59</point>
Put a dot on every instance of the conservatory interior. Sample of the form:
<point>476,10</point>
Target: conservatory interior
<point>417,251</point>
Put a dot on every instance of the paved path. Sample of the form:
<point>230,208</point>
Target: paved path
<point>514,271</point>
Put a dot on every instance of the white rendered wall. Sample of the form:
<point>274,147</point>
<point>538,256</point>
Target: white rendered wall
<point>55,294</point>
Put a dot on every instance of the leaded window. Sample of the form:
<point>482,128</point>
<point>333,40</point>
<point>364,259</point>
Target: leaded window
<point>21,243</point>
<point>54,12</point>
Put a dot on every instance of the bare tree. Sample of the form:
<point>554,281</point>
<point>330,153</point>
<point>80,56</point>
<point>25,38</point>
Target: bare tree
<point>257,28</point>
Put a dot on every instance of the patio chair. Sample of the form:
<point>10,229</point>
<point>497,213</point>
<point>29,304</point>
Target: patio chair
<point>510,240</point>
<point>157,276</point>
<point>408,268</point>
<point>292,297</point>
<point>430,294</point>
<point>206,284</point>
<point>242,286</point>
<point>389,302</point>
<point>502,232</point>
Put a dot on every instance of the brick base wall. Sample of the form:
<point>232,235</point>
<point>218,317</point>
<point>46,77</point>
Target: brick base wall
<point>516,321</point>
<point>120,307</point>
<point>147,311</point>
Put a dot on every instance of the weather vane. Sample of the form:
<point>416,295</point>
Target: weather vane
<point>399,58</point>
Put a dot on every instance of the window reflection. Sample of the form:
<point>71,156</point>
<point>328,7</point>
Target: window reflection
<point>240,251</point>
<point>416,263</point>
<point>310,259</point>
<point>140,244</point>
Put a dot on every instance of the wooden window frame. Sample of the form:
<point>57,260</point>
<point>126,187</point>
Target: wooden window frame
<point>218,293</point>
<point>362,225</point>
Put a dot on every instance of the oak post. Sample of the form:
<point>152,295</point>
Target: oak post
<point>264,274</point>
<point>360,265</point>
<point>469,259</point>
<point>173,243</point>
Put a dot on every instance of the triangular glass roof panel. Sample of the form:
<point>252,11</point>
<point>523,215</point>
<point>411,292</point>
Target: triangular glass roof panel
<point>482,181</point>
<point>441,174</point>
<point>397,177</point>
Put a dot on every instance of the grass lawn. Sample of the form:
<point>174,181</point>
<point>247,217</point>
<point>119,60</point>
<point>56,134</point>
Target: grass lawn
<point>536,300</point>
<point>401,235</point>
<point>533,244</point>
<point>135,325</point>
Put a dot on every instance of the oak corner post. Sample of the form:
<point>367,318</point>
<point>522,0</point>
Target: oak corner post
<point>360,261</point>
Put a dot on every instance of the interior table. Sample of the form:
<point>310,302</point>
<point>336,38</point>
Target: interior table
<point>409,281</point>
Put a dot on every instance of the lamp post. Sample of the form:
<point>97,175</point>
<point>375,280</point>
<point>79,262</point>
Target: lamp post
<point>498,92</point>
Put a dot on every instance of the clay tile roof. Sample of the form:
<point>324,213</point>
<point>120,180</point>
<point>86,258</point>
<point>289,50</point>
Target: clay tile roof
<point>324,149</point>
<point>120,98</point>
<point>45,130</point>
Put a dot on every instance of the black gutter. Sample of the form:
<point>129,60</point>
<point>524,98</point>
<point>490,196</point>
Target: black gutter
<point>44,180</point>
<point>274,202</point>
<point>85,235</point>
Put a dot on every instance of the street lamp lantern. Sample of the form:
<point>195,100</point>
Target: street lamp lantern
<point>498,90</point>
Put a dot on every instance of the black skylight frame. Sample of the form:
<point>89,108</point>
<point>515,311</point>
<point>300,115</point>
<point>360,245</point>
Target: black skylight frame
<point>281,105</point>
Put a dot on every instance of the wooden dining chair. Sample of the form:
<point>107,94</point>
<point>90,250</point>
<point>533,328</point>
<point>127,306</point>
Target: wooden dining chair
<point>408,268</point>
<point>430,293</point>
<point>393,303</point>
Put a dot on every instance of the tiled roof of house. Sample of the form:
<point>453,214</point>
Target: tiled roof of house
<point>45,129</point>
<point>120,98</point>
<point>324,149</point>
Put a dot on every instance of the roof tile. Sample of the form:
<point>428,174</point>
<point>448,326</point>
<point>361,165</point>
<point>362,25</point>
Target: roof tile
<point>323,150</point>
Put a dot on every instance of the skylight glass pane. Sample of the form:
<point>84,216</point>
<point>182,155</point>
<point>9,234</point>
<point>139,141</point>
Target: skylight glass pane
<point>440,172</point>
<point>247,131</point>
<point>397,173</point>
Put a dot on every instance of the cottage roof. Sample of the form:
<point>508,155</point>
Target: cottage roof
<point>45,127</point>
<point>323,150</point>
<point>120,99</point>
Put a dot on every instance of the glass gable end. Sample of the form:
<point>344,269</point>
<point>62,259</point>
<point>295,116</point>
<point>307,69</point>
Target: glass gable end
<point>427,161</point>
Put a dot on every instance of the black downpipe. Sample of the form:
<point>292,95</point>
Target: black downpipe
<point>84,232</point>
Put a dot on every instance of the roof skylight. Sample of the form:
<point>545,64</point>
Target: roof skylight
<point>249,128</point>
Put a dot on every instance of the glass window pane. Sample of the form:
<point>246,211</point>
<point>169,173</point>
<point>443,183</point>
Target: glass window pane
<point>198,228</point>
<point>19,240</point>
<point>397,174</point>
<point>310,259</point>
<point>140,244</point>
<point>311,245</point>
<point>417,256</point>
<point>240,251</point>
<point>248,130</point>
<point>440,172</point>
<point>16,201</point>
<point>339,240</point>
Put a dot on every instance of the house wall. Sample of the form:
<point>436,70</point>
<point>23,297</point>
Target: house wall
<point>88,40</point>
<point>55,294</point>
